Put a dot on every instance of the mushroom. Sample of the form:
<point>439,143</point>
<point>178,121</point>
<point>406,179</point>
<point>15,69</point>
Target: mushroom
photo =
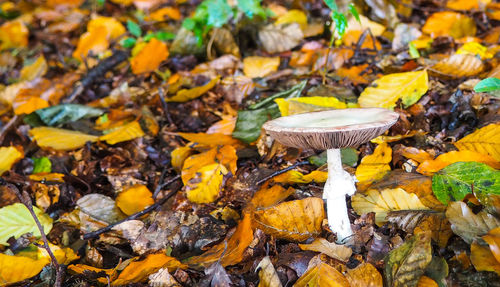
<point>332,130</point>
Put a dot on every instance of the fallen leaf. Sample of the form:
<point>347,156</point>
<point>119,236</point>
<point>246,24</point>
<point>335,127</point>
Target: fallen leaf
<point>95,43</point>
<point>365,275</point>
<point>295,220</point>
<point>13,34</point>
<point>8,157</point>
<point>354,74</point>
<point>179,155</point>
<point>308,104</point>
<point>205,186</point>
<point>138,271</point>
<point>224,126</point>
<point>384,201</point>
<point>100,207</point>
<point>426,282</point>
<point>16,220</point>
<point>48,177</point>
<point>429,167</point>
<point>103,275</point>
<point>60,139</point>
<point>406,264</point>
<point>65,113</point>
<point>376,165</point>
<point>164,13</point>
<point>18,268</point>
<point>277,39</point>
<point>267,197</point>
<point>217,275</point>
<point>485,140</point>
<point>475,49</point>
<point>268,277</point>
<point>387,90</point>
<point>143,62</point>
<point>339,252</point>
<point>483,259</point>
<point>292,16</point>
<point>134,199</point>
<point>459,65</point>
<point>322,275</point>
<point>449,23</point>
<point>363,24</point>
<point>35,70</point>
<point>259,67</point>
<point>126,132</point>
<point>468,225</point>
<point>493,239</point>
<point>225,155</point>
<point>185,95</point>
<point>114,28</point>
<point>294,176</point>
<point>206,139</point>
<point>464,5</point>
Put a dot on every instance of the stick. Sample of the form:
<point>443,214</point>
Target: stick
<point>276,173</point>
<point>7,127</point>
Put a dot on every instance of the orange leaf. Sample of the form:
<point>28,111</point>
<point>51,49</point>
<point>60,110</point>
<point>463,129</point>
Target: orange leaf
<point>164,13</point>
<point>126,132</point>
<point>210,139</point>
<point>224,126</point>
<point>231,250</point>
<point>114,28</point>
<point>493,239</point>
<point>42,176</point>
<point>295,220</point>
<point>485,140</point>
<point>225,155</point>
<point>462,4</point>
<point>32,104</point>
<point>150,57</point>
<point>354,74</point>
<point>82,269</point>
<point>483,259</point>
<point>425,281</point>
<point>60,139</point>
<point>95,42</point>
<point>429,167</point>
<point>138,271</point>
<point>449,23</point>
<point>185,95</point>
<point>365,275</point>
<point>376,165</point>
<point>267,197</point>
<point>259,67</point>
<point>35,70</point>
<point>322,275</point>
<point>13,34</point>
<point>415,154</point>
<point>294,176</point>
<point>134,199</point>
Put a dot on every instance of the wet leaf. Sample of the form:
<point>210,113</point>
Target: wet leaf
<point>60,139</point>
<point>457,180</point>
<point>259,67</point>
<point>295,220</point>
<point>205,186</point>
<point>18,268</point>
<point>406,264</point>
<point>16,220</point>
<point>459,65</point>
<point>322,275</point>
<point>126,132</point>
<point>449,23</point>
<point>143,62</point>
<point>9,156</point>
<point>485,140</point>
<point>386,91</point>
<point>384,201</point>
<point>185,95</point>
<point>65,113</point>
<point>134,199</point>
<point>483,259</point>
<point>267,274</point>
<point>376,165</point>
<point>429,167</point>
<point>365,275</point>
<point>339,252</point>
<point>468,225</point>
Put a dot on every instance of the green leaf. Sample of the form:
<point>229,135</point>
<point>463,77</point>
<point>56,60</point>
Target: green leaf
<point>413,51</point>
<point>354,12</point>
<point>251,8</point>
<point>128,42</point>
<point>61,114</point>
<point>349,157</point>
<point>340,23</point>
<point>16,220</point>
<point>189,23</point>
<point>42,164</point>
<point>332,5</point>
<point>457,180</point>
<point>406,264</point>
<point>218,12</point>
<point>133,28</point>
<point>488,85</point>
<point>160,35</point>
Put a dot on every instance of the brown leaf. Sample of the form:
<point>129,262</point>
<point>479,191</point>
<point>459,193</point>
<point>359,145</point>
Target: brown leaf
<point>365,275</point>
<point>493,239</point>
<point>459,65</point>
<point>483,259</point>
<point>339,252</point>
<point>276,39</point>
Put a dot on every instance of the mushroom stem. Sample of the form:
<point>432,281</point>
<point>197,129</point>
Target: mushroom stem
<point>339,184</point>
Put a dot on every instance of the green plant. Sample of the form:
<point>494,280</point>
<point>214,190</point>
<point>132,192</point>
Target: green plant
<point>135,30</point>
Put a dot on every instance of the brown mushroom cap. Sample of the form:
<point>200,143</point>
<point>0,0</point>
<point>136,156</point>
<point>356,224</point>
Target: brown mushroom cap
<point>331,129</point>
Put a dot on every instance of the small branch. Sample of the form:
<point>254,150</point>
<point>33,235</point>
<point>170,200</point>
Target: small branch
<point>5,129</point>
<point>276,173</point>
<point>165,106</point>
<point>26,200</point>
<point>131,217</point>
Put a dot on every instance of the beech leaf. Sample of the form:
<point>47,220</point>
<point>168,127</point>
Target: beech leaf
<point>16,220</point>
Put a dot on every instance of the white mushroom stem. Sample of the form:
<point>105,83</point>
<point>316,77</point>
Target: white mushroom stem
<point>339,184</point>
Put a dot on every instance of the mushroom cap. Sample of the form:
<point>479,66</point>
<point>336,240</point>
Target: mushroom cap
<point>331,129</point>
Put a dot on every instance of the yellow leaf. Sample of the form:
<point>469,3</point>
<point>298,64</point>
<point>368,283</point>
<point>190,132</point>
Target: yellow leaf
<point>294,176</point>
<point>63,255</point>
<point>179,155</point>
<point>164,13</point>
<point>126,132</point>
<point>224,126</point>
<point>82,269</point>
<point>8,157</point>
<point>134,199</point>
<point>365,275</point>
<point>17,268</point>
<point>376,165</point>
<point>308,104</point>
<point>485,140</point>
<point>95,42</point>
<point>150,57</point>
<point>387,90</point>
<point>339,252</point>
<point>293,16</point>
<point>185,95</point>
<point>60,139</point>
<point>225,155</point>
<point>35,70</point>
<point>32,104</point>
<point>210,139</point>
<point>13,34</point>
<point>16,220</point>
<point>207,183</point>
<point>231,250</point>
<point>390,139</point>
<point>493,239</point>
<point>429,167</point>
<point>456,66</point>
<point>259,67</point>
<point>114,28</point>
<point>268,277</point>
<point>483,259</point>
<point>475,49</point>
<point>384,201</point>
<point>138,271</point>
<point>464,5</point>
<point>295,220</point>
<point>449,23</point>
<point>322,275</point>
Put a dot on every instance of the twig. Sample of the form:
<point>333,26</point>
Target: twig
<point>131,217</point>
<point>165,106</point>
<point>7,127</point>
<point>276,173</point>
<point>26,200</point>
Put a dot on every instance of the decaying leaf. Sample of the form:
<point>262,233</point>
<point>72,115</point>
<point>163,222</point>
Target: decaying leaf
<point>406,264</point>
<point>376,165</point>
<point>322,275</point>
<point>459,65</point>
<point>386,91</point>
<point>339,252</point>
<point>267,274</point>
<point>295,106</point>
<point>37,69</point>
<point>485,140</point>
<point>295,220</point>
<point>493,240</point>
<point>468,225</point>
<point>384,201</point>
<point>104,276</point>
<point>185,95</point>
<point>268,197</point>
<point>365,275</point>
<point>99,207</point>
<point>16,220</point>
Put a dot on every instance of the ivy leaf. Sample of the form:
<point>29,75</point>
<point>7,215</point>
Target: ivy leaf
<point>42,164</point>
<point>488,85</point>
<point>133,28</point>
<point>457,180</point>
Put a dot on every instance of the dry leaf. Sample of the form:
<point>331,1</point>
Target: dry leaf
<point>145,62</point>
<point>60,139</point>
<point>339,252</point>
<point>464,5</point>
<point>259,67</point>
<point>322,275</point>
<point>294,176</point>
<point>493,239</point>
<point>224,126</point>
<point>365,275</point>
<point>277,39</point>
<point>295,220</point>
<point>267,197</point>
<point>475,49</point>
<point>17,268</point>
<point>387,90</point>
<point>384,201</point>
<point>267,274</point>
<point>459,65</point>
<point>99,207</point>
<point>449,23</point>
<point>100,31</point>
<point>205,186</point>
<point>485,140</point>
<point>126,132</point>
<point>483,259</point>
<point>185,95</point>
<point>8,157</point>
<point>376,165</point>
<point>13,34</point>
<point>429,167</point>
<point>354,74</point>
<point>134,199</point>
<point>104,276</point>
